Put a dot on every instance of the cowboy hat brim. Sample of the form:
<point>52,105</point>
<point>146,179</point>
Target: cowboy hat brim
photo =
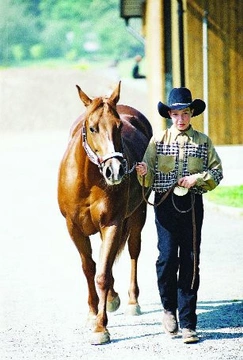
<point>197,105</point>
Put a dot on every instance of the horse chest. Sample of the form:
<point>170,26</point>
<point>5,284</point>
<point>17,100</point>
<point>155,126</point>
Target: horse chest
<point>98,212</point>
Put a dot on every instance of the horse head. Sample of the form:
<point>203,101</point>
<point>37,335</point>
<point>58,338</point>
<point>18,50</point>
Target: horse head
<point>102,135</point>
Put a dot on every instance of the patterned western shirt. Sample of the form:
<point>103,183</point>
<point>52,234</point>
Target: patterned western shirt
<point>178,154</point>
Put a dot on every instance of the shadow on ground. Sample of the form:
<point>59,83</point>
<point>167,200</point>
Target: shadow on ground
<point>216,317</point>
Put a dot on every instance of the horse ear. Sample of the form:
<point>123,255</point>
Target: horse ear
<point>84,98</point>
<point>115,96</point>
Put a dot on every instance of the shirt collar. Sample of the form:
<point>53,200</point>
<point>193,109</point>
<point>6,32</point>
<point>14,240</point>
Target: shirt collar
<point>175,132</point>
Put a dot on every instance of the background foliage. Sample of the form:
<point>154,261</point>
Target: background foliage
<point>68,29</point>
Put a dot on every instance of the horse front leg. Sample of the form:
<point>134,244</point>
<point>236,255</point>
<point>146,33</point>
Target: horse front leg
<point>104,281</point>
<point>83,246</point>
<point>136,223</point>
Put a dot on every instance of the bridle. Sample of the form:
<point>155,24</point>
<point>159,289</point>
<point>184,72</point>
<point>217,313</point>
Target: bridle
<point>101,160</point>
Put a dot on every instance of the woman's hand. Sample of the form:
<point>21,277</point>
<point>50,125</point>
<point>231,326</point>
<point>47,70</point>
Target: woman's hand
<point>142,168</point>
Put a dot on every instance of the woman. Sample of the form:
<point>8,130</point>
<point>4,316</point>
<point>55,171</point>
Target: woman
<point>183,164</point>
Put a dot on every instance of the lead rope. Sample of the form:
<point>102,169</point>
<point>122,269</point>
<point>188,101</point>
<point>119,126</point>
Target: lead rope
<point>161,200</point>
<point>194,232</point>
<point>194,228</point>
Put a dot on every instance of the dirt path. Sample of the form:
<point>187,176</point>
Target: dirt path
<point>43,292</point>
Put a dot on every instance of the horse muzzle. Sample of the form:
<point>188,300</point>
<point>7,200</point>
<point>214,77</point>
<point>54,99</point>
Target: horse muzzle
<point>112,168</point>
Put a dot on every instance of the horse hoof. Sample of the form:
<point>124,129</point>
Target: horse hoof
<point>133,310</point>
<point>100,338</point>
<point>113,305</point>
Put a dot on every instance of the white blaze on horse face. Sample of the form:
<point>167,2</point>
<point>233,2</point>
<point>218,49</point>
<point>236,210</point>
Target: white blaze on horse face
<point>117,170</point>
<point>114,170</point>
<point>110,146</point>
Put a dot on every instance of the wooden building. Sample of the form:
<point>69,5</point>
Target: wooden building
<point>197,44</point>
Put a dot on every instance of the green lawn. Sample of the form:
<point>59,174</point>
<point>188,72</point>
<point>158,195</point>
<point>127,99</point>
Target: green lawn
<point>227,195</point>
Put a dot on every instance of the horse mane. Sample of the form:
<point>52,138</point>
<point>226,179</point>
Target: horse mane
<point>101,102</point>
<point>95,105</point>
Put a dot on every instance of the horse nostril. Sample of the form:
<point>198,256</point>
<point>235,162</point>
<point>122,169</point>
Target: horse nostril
<point>108,172</point>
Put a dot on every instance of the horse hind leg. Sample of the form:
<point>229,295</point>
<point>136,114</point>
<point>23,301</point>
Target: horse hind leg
<point>113,300</point>
<point>136,223</point>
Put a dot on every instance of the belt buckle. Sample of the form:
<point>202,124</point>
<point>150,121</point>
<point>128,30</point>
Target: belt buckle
<point>180,190</point>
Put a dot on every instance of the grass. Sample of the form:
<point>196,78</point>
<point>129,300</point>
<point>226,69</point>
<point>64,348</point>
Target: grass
<point>227,196</point>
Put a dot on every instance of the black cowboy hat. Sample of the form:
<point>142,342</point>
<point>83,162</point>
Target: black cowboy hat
<point>181,98</point>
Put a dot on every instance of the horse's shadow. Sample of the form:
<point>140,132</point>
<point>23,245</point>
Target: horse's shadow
<point>214,320</point>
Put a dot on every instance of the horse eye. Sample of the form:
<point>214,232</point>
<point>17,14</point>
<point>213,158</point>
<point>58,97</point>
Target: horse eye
<point>92,129</point>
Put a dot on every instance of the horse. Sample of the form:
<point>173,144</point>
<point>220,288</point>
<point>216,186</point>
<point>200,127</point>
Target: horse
<point>98,192</point>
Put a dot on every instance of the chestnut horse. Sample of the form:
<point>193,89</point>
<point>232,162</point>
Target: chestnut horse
<point>98,191</point>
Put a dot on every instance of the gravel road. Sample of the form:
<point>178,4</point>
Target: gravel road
<point>43,303</point>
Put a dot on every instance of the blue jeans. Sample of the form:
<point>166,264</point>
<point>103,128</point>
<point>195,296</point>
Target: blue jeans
<point>175,262</point>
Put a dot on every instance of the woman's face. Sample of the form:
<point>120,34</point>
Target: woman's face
<point>181,118</point>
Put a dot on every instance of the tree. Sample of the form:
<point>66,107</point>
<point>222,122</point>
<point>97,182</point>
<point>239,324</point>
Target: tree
<point>63,28</point>
<point>111,29</point>
<point>18,29</point>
